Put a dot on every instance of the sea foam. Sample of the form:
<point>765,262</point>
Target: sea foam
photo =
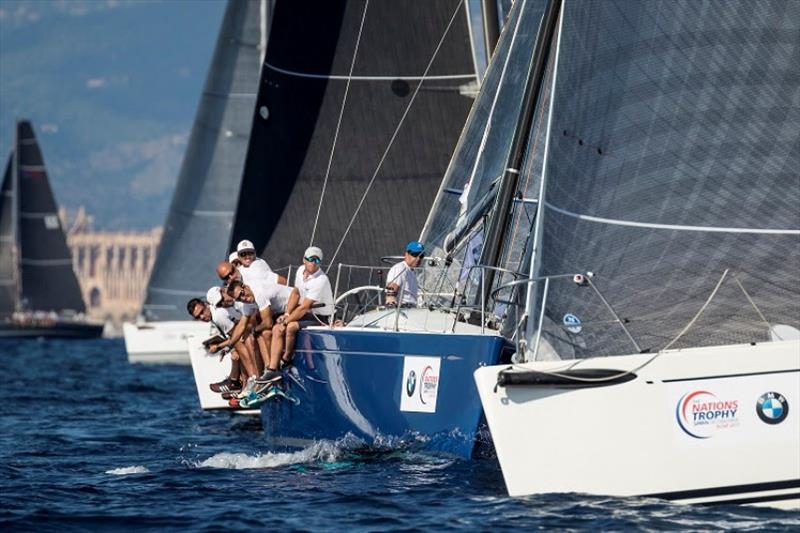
<point>125,470</point>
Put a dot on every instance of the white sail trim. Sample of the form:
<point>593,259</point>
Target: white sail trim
<point>229,95</point>
<point>368,78</point>
<point>710,229</point>
<point>175,292</point>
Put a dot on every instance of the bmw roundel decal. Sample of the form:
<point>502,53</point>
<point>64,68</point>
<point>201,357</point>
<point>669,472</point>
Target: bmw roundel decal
<point>772,408</point>
<point>411,383</point>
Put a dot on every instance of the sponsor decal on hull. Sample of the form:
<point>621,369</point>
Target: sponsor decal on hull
<point>701,414</point>
<point>420,387</point>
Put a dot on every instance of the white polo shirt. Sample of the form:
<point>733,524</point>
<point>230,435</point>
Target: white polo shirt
<point>401,274</point>
<point>245,309</point>
<point>258,271</point>
<point>224,318</point>
<point>315,287</point>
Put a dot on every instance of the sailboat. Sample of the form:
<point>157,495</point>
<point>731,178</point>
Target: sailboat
<point>39,293</point>
<point>200,218</point>
<point>656,346</point>
<point>356,119</point>
<point>385,121</point>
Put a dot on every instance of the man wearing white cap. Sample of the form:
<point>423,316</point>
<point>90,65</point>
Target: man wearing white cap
<point>224,312</point>
<point>313,289</point>
<point>253,268</point>
<point>224,319</point>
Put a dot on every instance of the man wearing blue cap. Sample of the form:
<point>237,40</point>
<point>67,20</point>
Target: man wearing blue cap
<point>401,281</point>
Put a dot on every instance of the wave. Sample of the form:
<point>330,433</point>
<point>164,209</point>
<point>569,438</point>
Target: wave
<point>125,470</point>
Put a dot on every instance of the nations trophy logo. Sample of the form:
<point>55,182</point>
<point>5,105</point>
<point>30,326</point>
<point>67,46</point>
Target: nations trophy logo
<point>700,414</point>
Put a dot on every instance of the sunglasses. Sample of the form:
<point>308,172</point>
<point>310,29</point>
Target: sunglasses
<point>316,260</point>
<point>228,276</point>
<point>416,254</point>
<point>248,253</point>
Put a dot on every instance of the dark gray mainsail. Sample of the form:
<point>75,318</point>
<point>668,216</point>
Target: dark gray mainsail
<point>47,281</point>
<point>671,130</point>
<point>363,60</point>
<point>199,222</point>
<point>673,157</point>
<point>9,289</point>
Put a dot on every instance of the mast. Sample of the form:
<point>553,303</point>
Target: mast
<point>491,26</point>
<point>496,229</point>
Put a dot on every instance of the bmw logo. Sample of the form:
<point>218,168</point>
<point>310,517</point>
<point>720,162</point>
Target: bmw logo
<point>411,383</point>
<point>772,408</point>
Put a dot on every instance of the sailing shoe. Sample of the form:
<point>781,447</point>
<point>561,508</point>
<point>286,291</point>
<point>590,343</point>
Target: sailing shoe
<point>269,392</point>
<point>292,373</point>
<point>226,385</point>
<point>269,376</point>
<point>228,395</point>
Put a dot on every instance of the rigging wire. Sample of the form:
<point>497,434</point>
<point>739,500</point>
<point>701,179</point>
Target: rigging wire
<point>338,125</point>
<point>396,131</point>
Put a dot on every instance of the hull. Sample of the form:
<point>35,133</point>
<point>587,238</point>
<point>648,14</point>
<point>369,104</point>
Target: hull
<point>704,425</point>
<point>207,369</point>
<point>161,342</point>
<point>381,385</point>
<point>56,330</point>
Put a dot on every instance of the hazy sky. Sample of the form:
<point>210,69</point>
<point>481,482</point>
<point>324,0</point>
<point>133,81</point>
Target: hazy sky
<point>112,88</point>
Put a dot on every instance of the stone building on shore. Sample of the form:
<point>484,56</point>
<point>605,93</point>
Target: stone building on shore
<point>113,268</point>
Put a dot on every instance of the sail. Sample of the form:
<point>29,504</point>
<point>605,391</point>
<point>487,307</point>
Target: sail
<point>8,260</point>
<point>673,158</point>
<point>467,192</point>
<point>48,281</point>
<point>299,139</point>
<point>200,217</point>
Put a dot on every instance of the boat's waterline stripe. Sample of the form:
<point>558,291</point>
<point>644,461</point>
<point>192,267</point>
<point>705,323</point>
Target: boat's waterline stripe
<point>46,262</point>
<point>367,78</point>
<point>710,229</point>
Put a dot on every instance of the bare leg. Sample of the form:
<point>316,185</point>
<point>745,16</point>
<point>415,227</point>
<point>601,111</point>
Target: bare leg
<point>247,358</point>
<point>278,331</point>
<point>235,370</point>
<point>291,334</point>
<point>264,339</point>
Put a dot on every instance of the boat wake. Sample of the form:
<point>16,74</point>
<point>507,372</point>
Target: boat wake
<point>320,452</point>
<point>331,454</point>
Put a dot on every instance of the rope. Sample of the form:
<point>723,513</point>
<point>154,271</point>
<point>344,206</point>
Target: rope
<point>338,125</point>
<point>700,312</point>
<point>396,131</point>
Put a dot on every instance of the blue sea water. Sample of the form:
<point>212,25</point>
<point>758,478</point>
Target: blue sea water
<point>88,441</point>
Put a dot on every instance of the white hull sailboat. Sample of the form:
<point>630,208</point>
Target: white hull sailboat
<point>197,229</point>
<point>699,425</point>
<point>668,158</point>
<point>161,342</point>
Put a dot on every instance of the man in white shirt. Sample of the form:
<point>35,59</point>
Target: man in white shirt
<point>240,337</point>
<point>401,281</point>
<point>252,268</point>
<point>312,304</point>
<point>270,299</point>
<point>222,313</point>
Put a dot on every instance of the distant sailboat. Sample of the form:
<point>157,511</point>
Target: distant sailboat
<point>664,161</point>
<point>39,293</point>
<point>199,222</point>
